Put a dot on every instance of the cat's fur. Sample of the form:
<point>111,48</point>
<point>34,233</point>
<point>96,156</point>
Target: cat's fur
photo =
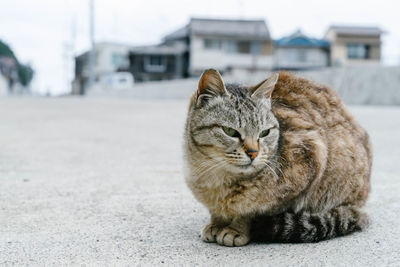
<point>310,176</point>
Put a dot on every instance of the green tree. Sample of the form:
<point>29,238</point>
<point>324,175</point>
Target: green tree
<point>5,50</point>
<point>25,72</point>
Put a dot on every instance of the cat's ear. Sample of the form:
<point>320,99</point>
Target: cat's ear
<point>264,88</point>
<point>210,85</point>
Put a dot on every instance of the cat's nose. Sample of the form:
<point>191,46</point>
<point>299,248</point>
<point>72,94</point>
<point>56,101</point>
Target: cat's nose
<point>252,153</point>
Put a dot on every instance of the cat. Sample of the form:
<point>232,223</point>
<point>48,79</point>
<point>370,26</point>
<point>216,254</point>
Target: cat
<point>281,161</point>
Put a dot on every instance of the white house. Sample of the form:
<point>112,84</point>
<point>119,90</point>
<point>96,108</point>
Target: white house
<point>3,85</point>
<point>109,58</point>
<point>354,45</point>
<point>225,44</point>
<point>298,51</point>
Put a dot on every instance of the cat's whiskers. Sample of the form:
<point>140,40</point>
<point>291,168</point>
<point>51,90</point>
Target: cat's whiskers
<point>207,167</point>
<point>272,166</point>
<point>273,171</point>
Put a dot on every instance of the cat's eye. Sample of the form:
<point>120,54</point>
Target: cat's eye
<point>230,132</point>
<point>264,133</point>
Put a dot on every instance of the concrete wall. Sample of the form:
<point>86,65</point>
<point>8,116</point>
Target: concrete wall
<point>362,85</point>
<point>356,85</point>
<point>374,85</point>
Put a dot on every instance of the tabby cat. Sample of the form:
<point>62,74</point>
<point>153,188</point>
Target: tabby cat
<point>282,161</point>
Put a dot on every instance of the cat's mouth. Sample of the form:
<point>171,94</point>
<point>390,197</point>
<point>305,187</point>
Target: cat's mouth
<point>247,170</point>
<point>245,166</point>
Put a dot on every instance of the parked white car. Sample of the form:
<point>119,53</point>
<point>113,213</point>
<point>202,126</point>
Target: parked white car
<point>118,80</point>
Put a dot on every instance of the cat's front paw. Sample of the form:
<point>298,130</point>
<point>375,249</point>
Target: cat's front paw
<point>232,238</point>
<point>209,232</point>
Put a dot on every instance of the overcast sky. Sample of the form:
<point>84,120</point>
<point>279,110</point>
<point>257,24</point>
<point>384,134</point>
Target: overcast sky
<point>46,33</point>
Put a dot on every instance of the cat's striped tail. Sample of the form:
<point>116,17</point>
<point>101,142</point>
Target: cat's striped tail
<point>308,227</point>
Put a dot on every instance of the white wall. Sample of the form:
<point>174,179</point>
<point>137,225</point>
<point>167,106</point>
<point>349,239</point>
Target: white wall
<point>339,56</point>
<point>339,49</point>
<point>201,58</point>
<point>104,53</point>
<point>3,85</point>
<point>288,58</point>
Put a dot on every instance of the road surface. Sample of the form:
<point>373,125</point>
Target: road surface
<point>95,181</point>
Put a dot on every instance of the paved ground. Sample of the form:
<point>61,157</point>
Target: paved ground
<point>99,182</point>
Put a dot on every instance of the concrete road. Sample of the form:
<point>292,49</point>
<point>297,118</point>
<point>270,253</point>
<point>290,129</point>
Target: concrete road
<point>99,182</point>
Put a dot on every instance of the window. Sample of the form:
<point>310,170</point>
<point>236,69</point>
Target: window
<point>214,44</point>
<point>122,80</point>
<point>119,60</point>
<point>358,51</point>
<point>155,63</point>
<point>256,48</point>
<point>231,46</point>
<point>291,55</point>
<point>301,55</point>
<point>295,55</point>
<point>244,47</point>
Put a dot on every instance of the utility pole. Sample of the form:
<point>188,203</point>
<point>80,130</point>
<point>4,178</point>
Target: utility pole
<point>92,48</point>
<point>255,49</point>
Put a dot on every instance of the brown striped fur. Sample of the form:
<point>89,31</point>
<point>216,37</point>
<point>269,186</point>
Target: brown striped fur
<point>311,175</point>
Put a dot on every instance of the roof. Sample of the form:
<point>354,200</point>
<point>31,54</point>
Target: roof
<point>101,45</point>
<point>256,29</point>
<point>178,34</point>
<point>298,39</point>
<point>356,30</point>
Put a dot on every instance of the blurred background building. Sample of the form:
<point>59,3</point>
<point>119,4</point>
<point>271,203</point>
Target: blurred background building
<point>229,45</point>
<point>225,44</point>
<point>298,52</point>
<point>110,60</point>
<point>203,43</point>
<point>80,47</point>
<point>159,62</point>
<point>354,45</point>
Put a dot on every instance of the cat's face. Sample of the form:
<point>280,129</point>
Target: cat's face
<point>235,128</point>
